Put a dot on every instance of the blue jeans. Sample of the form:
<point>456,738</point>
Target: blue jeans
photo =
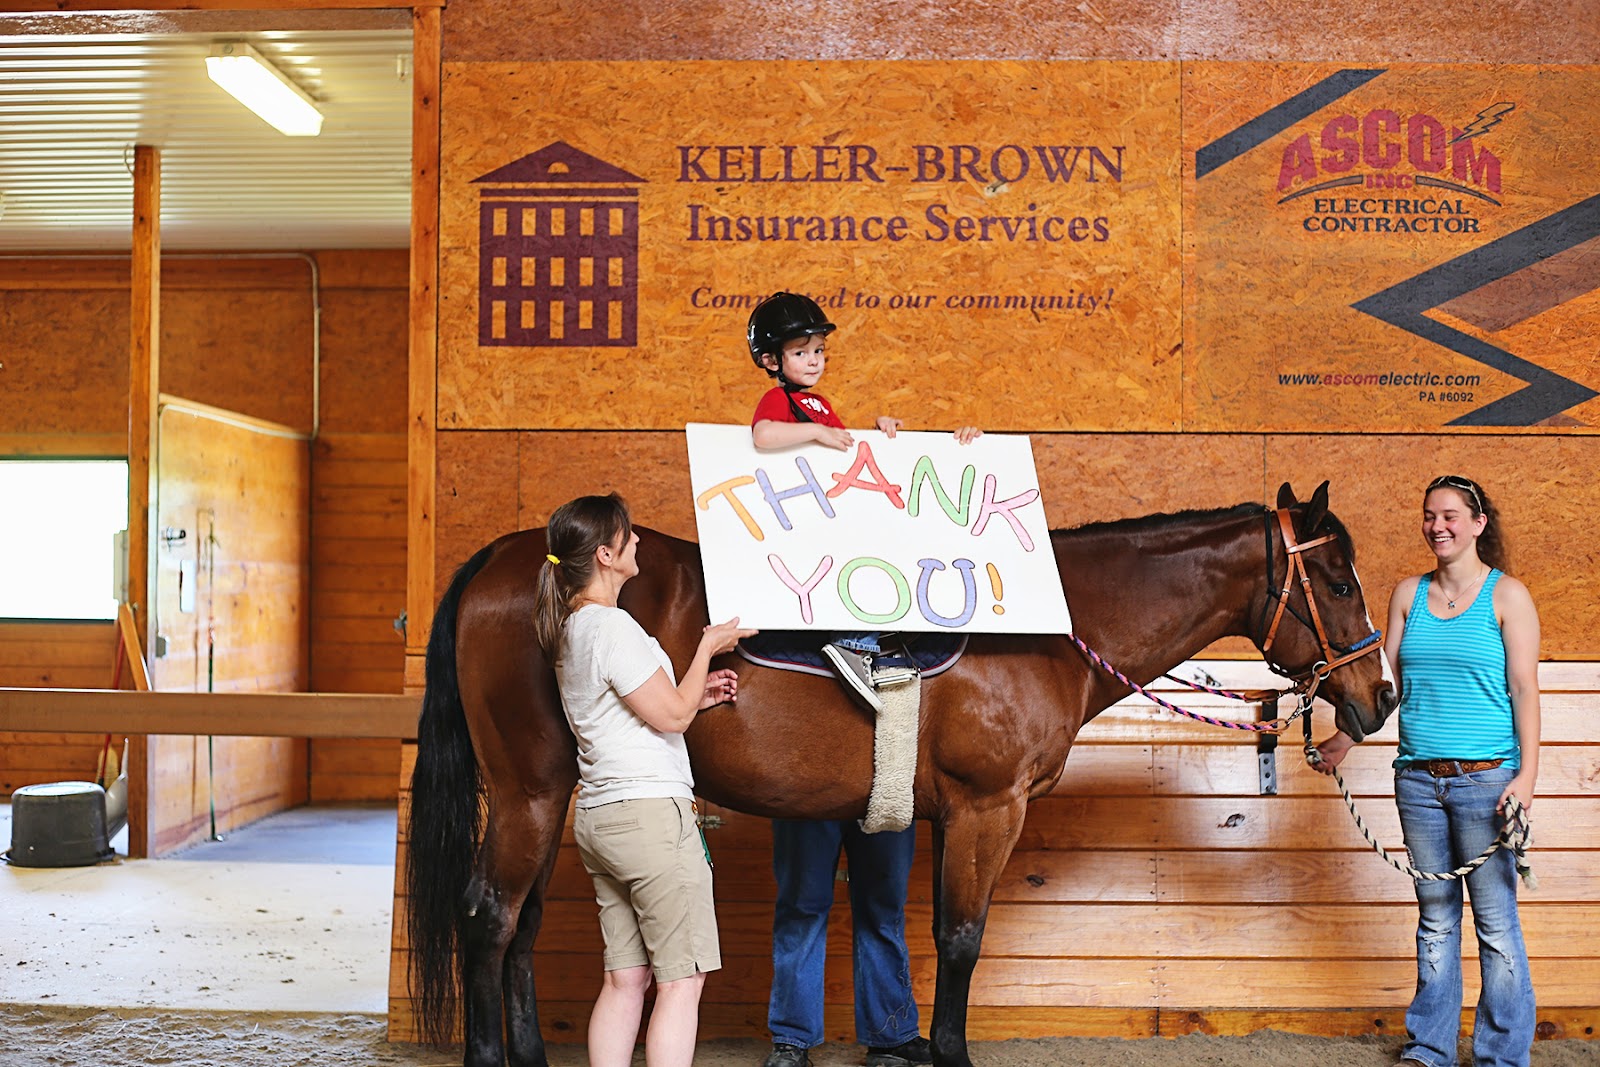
<point>805,855</point>
<point>857,642</point>
<point>1448,821</point>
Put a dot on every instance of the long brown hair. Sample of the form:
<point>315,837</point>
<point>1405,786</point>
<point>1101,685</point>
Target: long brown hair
<point>575,532</point>
<point>1492,547</point>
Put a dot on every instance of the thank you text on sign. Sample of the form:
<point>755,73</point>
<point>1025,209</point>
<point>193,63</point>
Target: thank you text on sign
<point>910,533</point>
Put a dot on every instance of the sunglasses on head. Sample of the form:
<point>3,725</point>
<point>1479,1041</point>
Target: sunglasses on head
<point>1455,481</point>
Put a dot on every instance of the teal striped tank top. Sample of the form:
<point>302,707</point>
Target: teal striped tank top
<point>1456,704</point>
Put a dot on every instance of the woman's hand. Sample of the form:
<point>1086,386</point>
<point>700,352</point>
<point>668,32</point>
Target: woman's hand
<point>968,434</point>
<point>723,636</point>
<point>889,424</point>
<point>833,437</point>
<point>721,687</point>
<point>1333,751</point>
<point>1520,787</point>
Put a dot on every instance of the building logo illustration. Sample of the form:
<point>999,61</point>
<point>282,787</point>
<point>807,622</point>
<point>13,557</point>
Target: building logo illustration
<point>558,252</point>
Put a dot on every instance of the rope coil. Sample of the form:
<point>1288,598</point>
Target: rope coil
<point>1516,835</point>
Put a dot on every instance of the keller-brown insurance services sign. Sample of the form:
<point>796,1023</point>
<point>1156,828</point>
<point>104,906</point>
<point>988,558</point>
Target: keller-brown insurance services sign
<point>998,243</point>
<point>1391,248</point>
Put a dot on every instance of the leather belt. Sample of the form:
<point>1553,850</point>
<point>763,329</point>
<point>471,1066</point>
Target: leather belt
<point>1449,768</point>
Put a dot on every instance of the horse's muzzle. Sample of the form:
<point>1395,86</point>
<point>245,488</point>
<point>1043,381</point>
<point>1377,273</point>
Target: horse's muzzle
<point>1350,720</point>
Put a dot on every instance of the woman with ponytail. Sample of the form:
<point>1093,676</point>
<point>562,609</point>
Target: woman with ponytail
<point>1463,643</point>
<point>636,824</point>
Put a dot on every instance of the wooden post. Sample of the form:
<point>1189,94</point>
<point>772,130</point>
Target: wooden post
<point>144,378</point>
<point>426,75</point>
<point>424,343</point>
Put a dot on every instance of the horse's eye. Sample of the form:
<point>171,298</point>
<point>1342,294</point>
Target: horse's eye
<point>1340,589</point>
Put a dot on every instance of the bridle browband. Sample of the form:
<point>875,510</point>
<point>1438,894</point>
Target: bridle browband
<point>1333,655</point>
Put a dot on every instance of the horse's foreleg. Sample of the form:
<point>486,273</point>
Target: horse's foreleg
<point>508,866</point>
<point>524,1040</point>
<point>971,847</point>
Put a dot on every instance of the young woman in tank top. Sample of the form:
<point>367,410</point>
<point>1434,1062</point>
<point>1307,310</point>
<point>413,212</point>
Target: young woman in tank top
<point>1463,642</point>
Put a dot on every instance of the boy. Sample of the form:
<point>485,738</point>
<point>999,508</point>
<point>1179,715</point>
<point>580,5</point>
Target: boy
<point>787,337</point>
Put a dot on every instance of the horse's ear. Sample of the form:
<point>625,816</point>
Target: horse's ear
<point>1286,496</point>
<point>1317,508</point>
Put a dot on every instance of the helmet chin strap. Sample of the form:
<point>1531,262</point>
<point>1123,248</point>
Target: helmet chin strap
<point>789,389</point>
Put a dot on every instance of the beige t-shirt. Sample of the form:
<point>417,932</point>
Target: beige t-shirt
<point>605,655</point>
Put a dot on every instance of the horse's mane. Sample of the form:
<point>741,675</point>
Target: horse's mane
<point>1146,524</point>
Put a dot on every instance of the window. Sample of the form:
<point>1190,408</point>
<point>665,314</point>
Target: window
<point>58,525</point>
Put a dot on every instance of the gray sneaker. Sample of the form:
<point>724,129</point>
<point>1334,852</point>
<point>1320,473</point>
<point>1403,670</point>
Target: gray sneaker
<point>787,1056</point>
<point>855,670</point>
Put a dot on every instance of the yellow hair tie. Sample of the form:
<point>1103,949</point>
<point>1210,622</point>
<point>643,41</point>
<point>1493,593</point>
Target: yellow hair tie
<point>552,559</point>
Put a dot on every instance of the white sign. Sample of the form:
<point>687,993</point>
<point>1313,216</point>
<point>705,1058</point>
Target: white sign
<point>910,533</point>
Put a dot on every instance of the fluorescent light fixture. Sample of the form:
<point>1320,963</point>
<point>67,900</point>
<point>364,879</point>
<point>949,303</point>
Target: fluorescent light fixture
<point>262,87</point>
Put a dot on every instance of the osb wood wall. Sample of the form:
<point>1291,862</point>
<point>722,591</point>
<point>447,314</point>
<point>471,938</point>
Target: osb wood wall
<point>235,334</point>
<point>1136,903</point>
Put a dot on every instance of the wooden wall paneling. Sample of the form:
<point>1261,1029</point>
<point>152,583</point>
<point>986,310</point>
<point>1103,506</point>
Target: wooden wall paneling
<point>423,320</point>
<point>361,556</point>
<point>490,31</point>
<point>1084,477</point>
<point>1104,302</point>
<point>478,493</point>
<point>1542,486</point>
<point>239,490</point>
<point>52,655</point>
<point>66,367</point>
<point>250,353</point>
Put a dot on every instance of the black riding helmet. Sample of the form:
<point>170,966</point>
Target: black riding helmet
<point>780,318</point>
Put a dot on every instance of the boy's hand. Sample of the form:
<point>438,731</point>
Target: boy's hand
<point>889,424</point>
<point>833,437</point>
<point>968,434</point>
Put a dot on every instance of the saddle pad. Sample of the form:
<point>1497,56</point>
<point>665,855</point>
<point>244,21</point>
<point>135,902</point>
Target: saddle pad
<point>801,650</point>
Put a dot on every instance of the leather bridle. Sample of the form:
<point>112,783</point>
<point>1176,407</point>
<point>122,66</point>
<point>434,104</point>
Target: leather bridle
<point>1333,656</point>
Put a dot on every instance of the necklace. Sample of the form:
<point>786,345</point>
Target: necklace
<point>1451,600</point>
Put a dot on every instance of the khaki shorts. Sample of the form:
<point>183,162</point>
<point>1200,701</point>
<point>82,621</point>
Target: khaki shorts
<point>653,884</point>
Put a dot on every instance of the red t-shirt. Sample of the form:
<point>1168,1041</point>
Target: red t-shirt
<point>774,406</point>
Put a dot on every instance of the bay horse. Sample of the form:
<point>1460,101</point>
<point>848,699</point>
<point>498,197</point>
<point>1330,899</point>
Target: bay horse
<point>497,765</point>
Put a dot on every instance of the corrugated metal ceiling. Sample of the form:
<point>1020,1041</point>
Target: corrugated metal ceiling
<point>72,107</point>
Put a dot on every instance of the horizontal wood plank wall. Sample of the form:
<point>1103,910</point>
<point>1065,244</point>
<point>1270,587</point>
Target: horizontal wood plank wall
<point>232,597</point>
<point>63,655</point>
<point>1155,892</point>
<point>358,508</point>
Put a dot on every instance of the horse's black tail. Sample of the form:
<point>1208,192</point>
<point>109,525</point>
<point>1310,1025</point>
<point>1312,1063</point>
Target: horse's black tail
<point>445,825</point>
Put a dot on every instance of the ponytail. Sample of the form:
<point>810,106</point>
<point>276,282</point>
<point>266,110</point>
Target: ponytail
<point>575,532</point>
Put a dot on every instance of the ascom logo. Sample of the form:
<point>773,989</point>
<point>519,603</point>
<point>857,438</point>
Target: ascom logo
<point>1425,173</point>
